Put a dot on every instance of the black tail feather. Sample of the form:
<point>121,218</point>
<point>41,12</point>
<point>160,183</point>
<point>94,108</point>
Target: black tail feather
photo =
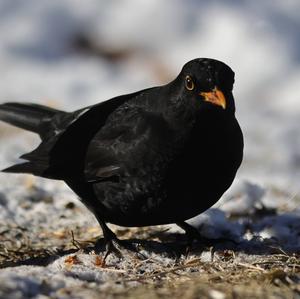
<point>26,167</point>
<point>34,118</point>
<point>26,116</point>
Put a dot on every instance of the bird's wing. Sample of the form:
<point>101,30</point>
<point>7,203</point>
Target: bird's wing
<point>65,139</point>
<point>132,138</point>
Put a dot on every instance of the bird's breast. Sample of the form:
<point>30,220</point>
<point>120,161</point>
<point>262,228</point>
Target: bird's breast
<point>206,166</point>
<point>177,183</point>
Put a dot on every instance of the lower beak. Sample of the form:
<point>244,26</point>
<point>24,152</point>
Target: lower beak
<point>215,96</point>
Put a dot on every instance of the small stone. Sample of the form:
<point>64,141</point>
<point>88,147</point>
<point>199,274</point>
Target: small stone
<point>214,294</point>
<point>70,205</point>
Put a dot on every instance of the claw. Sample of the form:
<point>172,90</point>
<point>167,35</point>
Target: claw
<point>194,235</point>
<point>117,246</point>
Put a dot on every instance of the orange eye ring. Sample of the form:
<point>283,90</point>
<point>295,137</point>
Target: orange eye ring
<point>189,83</point>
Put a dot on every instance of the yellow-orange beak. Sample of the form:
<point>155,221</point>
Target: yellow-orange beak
<point>215,96</point>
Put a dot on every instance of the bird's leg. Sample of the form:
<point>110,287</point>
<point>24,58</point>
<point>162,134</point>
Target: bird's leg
<point>193,234</point>
<point>113,244</point>
<point>107,232</point>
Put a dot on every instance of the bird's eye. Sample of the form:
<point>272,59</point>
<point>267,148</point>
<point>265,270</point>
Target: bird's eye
<point>189,83</point>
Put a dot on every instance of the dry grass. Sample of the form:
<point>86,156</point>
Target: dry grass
<point>229,273</point>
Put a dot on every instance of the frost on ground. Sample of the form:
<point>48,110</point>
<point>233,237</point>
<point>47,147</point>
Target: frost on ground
<point>69,54</point>
<point>48,250</point>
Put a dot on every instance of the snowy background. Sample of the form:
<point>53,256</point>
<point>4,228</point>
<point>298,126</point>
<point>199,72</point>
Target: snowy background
<point>72,53</point>
<point>45,57</point>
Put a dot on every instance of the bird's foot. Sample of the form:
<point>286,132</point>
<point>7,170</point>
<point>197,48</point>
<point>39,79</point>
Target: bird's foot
<point>121,248</point>
<point>194,235</point>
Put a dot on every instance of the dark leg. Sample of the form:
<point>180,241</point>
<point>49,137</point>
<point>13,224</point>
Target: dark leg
<point>113,244</point>
<point>192,233</point>
<point>107,233</point>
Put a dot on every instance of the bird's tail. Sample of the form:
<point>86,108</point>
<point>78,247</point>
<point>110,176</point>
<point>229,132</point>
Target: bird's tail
<point>30,117</point>
<point>34,118</point>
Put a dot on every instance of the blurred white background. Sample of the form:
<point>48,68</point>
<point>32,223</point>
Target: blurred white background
<point>72,53</point>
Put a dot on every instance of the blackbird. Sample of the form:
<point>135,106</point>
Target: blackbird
<point>157,156</point>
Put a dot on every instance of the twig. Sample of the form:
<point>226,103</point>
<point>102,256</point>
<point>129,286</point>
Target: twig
<point>250,266</point>
<point>113,270</point>
<point>162,273</point>
<point>75,242</point>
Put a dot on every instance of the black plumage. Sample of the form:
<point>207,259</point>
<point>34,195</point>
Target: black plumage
<point>157,156</point>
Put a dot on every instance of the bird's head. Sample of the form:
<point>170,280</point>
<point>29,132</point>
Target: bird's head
<point>208,83</point>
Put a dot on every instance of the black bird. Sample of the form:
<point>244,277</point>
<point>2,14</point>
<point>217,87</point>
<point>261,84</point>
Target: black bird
<point>157,156</point>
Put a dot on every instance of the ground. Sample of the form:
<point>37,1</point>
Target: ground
<point>58,258</point>
<point>78,273</point>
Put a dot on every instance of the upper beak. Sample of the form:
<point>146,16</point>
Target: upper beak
<point>215,96</point>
